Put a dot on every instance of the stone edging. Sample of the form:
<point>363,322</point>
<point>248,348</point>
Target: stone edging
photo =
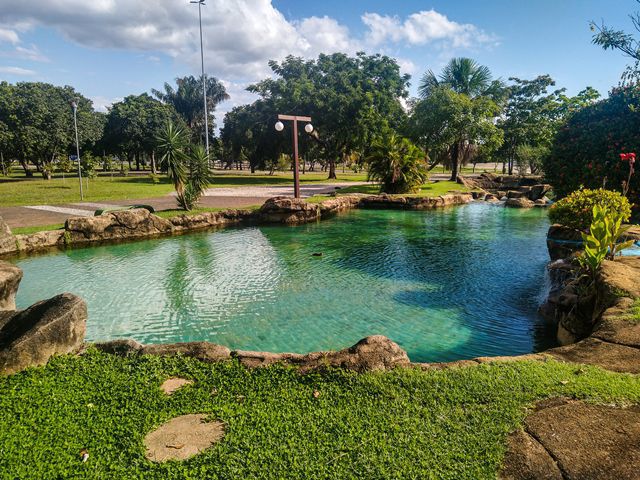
<point>136,224</point>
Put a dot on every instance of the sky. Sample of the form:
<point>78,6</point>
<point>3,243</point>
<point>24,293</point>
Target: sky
<point>108,49</point>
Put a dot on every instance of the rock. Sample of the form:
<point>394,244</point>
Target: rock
<point>211,219</point>
<point>52,327</point>
<point>182,437</point>
<point>516,194</point>
<point>117,225</point>
<point>337,204</point>
<point>204,351</point>
<point>121,346</point>
<point>563,241</point>
<point>541,202</point>
<point>526,459</point>
<point>519,203</point>
<point>467,182</point>
<point>479,195</point>
<point>371,353</point>
<point>172,385</point>
<point>620,277</point>
<point>617,326</point>
<point>40,240</point>
<point>538,191</point>
<point>588,442</point>
<point>10,277</point>
<point>415,202</point>
<point>610,356</point>
<point>7,240</point>
<point>288,210</point>
<point>491,198</point>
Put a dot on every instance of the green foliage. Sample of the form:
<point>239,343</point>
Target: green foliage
<point>350,100</point>
<point>530,158</point>
<point>88,165</point>
<point>604,239</point>
<point>449,424</point>
<point>65,164</point>
<point>155,178</point>
<point>171,143</point>
<point>586,150</point>
<point>397,164</point>
<point>576,210</point>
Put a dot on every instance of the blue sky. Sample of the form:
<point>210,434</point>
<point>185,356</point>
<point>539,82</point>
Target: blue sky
<point>108,49</point>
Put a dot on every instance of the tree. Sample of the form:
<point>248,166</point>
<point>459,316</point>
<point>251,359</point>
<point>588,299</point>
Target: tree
<point>350,99</point>
<point>187,100</point>
<point>397,164</point>
<point>38,124</point>
<point>452,126</point>
<point>134,124</point>
<point>171,144</point>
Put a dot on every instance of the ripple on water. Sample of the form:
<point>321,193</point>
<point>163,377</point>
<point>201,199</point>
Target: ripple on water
<point>446,284</point>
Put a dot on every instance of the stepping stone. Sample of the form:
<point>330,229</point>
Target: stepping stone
<point>182,438</point>
<point>171,385</point>
<point>577,440</point>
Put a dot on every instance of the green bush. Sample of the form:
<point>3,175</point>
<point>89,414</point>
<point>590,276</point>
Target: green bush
<point>576,210</point>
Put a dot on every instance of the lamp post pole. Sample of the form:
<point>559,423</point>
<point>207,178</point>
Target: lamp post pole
<point>307,128</point>
<point>204,78</point>
<point>74,106</point>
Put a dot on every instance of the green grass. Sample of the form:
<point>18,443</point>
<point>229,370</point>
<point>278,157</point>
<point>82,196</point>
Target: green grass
<point>449,424</point>
<point>42,228</point>
<point>17,190</point>
<point>175,212</point>
<point>427,190</point>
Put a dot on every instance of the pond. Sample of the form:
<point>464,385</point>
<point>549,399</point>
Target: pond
<point>445,284</point>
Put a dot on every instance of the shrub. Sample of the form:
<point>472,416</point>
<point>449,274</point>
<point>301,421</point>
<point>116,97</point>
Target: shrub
<point>397,164</point>
<point>576,210</point>
<point>586,150</point>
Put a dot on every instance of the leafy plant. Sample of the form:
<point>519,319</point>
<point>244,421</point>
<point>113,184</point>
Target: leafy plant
<point>604,239</point>
<point>397,164</point>
<point>576,210</point>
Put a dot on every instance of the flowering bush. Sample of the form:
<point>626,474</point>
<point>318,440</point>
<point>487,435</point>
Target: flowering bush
<point>586,150</point>
<point>576,210</point>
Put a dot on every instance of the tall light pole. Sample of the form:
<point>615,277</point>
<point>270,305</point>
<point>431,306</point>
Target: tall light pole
<point>74,106</point>
<point>307,128</point>
<point>204,78</point>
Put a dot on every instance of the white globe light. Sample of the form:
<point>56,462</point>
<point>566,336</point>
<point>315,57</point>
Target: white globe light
<point>308,128</point>
<point>279,126</point>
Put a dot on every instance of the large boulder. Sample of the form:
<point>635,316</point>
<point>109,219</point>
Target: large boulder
<point>536,192</point>
<point>519,203</point>
<point>211,219</point>
<point>117,225</point>
<point>10,277</point>
<point>7,240</point>
<point>288,210</point>
<point>562,242</point>
<point>410,202</point>
<point>51,327</point>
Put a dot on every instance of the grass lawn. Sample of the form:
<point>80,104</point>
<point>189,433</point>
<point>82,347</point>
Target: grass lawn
<point>28,230</point>
<point>428,190</point>
<point>449,424</point>
<point>17,190</point>
<point>175,212</point>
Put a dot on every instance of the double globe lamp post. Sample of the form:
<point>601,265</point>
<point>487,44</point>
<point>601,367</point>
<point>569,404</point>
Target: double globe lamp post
<point>307,128</point>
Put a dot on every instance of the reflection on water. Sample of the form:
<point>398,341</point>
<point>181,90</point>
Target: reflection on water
<point>445,284</point>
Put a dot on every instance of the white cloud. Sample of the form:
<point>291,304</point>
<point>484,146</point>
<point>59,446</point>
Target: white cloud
<point>325,34</point>
<point>101,104</point>
<point>16,71</point>
<point>29,53</point>
<point>427,26</point>
<point>9,36</point>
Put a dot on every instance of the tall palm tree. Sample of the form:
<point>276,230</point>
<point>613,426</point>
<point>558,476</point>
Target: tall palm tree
<point>462,75</point>
<point>187,99</point>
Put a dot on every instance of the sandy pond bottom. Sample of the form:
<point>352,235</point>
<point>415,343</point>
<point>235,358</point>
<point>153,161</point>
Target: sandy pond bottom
<point>446,284</point>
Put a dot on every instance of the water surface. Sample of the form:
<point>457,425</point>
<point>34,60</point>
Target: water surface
<point>445,284</point>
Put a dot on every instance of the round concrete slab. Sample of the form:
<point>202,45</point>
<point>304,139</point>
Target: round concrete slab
<point>182,437</point>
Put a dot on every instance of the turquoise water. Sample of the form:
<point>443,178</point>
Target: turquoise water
<point>445,284</point>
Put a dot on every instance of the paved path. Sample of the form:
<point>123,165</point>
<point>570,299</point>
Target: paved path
<point>227,197</point>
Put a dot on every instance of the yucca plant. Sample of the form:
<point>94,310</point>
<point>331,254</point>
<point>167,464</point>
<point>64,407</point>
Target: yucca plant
<point>197,179</point>
<point>171,145</point>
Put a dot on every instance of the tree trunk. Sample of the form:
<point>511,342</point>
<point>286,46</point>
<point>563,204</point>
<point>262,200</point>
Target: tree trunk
<point>332,170</point>
<point>455,153</point>
<point>153,162</point>
<point>138,162</point>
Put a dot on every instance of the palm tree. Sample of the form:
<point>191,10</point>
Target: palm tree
<point>397,164</point>
<point>187,99</point>
<point>462,75</point>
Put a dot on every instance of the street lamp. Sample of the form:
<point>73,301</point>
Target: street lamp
<point>279,126</point>
<point>204,78</point>
<point>74,106</point>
